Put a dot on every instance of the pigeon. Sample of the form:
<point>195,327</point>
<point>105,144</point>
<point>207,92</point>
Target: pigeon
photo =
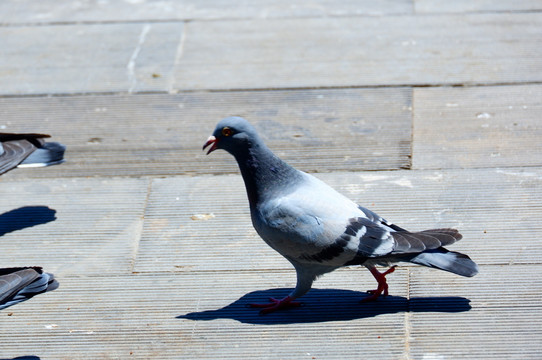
<point>20,284</point>
<point>319,230</point>
<point>28,150</point>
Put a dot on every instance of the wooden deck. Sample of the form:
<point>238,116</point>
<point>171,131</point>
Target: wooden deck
<point>426,111</point>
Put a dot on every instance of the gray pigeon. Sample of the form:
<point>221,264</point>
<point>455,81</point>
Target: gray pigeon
<point>28,150</point>
<point>319,230</point>
<point>20,284</point>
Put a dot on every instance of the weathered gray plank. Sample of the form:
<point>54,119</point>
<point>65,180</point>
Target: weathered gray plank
<point>88,58</point>
<point>462,6</point>
<point>317,130</point>
<point>505,321</point>
<point>96,231</point>
<point>497,225</point>
<point>145,316</point>
<point>477,127</point>
<point>390,50</point>
<point>47,11</point>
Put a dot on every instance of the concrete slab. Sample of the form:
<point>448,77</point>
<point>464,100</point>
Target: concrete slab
<point>477,127</point>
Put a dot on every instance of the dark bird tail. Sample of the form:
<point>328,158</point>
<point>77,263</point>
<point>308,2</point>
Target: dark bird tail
<point>427,248</point>
<point>443,259</point>
<point>51,153</point>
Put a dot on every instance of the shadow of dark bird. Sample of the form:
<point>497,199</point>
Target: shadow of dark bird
<point>26,357</point>
<point>26,216</point>
<point>21,283</point>
<point>322,305</point>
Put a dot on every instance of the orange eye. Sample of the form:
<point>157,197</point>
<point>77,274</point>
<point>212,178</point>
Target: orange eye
<point>227,131</point>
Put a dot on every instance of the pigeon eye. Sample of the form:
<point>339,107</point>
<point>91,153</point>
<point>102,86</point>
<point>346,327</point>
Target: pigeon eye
<point>227,131</point>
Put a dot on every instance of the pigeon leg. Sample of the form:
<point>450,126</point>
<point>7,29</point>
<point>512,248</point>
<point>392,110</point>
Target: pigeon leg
<point>276,304</point>
<point>382,284</point>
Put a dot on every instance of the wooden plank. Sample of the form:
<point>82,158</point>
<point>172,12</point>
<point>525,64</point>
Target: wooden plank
<point>88,58</point>
<point>204,316</point>
<point>495,224</point>
<point>47,11</point>
<point>317,130</point>
<point>477,127</point>
<point>462,6</point>
<point>505,321</point>
<point>96,230</point>
<point>390,50</point>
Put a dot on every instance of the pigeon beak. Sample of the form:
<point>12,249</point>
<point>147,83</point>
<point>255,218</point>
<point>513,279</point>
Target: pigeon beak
<point>211,140</point>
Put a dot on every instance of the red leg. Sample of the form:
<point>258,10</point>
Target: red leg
<point>276,304</point>
<point>382,284</point>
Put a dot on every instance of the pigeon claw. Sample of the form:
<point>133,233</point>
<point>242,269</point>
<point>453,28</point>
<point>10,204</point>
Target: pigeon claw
<point>382,288</point>
<point>276,304</point>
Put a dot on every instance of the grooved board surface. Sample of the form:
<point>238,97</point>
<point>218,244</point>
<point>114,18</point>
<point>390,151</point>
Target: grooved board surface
<point>420,200</point>
<point>151,240</point>
<point>477,127</point>
<point>71,226</point>
<point>298,53</point>
<point>47,11</point>
<point>464,6</point>
<point>204,316</point>
<point>505,321</point>
<point>88,58</point>
<point>390,50</point>
<point>316,130</point>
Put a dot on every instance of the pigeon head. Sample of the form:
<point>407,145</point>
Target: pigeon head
<point>264,173</point>
<point>233,134</point>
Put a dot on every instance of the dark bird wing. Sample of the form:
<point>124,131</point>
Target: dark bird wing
<point>28,150</point>
<point>20,284</point>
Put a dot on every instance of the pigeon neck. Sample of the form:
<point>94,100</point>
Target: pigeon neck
<point>264,173</point>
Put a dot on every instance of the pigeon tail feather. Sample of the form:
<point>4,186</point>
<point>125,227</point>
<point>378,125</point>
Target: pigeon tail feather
<point>416,242</point>
<point>446,260</point>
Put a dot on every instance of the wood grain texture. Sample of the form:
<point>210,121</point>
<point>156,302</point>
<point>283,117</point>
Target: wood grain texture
<point>204,315</point>
<point>477,127</point>
<point>130,86</point>
<point>390,50</point>
<point>505,321</point>
<point>317,130</point>
<point>51,11</point>
<point>88,58</point>
<point>301,52</point>
<point>93,226</point>
<point>496,225</point>
<point>465,6</point>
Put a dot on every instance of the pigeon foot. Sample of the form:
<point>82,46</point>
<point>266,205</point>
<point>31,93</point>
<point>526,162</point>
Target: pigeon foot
<point>382,284</point>
<point>276,304</point>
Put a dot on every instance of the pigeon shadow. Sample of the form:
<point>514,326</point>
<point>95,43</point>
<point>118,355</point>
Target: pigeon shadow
<point>26,216</point>
<point>321,305</point>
